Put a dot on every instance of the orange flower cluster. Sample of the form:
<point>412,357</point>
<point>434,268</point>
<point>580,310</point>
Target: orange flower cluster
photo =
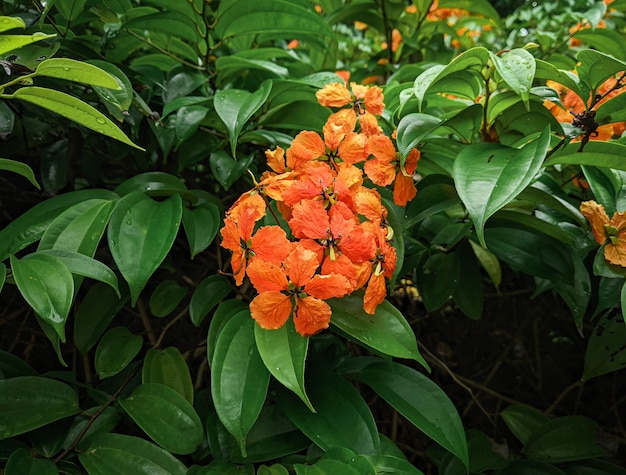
<point>610,231</point>
<point>335,238</point>
<point>573,104</point>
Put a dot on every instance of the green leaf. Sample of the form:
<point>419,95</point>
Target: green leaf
<point>73,109</point>
<point>156,184</point>
<point>468,294</point>
<point>11,42</point>
<point>522,421</point>
<point>31,225</point>
<point>284,353</point>
<point>596,153</point>
<point>226,170</point>
<point>47,285</point>
<point>85,266</point>
<point>12,366</point>
<point>8,23</point>
<point>342,418</point>
<point>386,331</point>
<point>168,367</point>
<point>388,464</point>
<point>223,313</point>
<point>120,97</point>
<point>29,402</point>
<point>517,69</point>
<point>117,454</point>
<point>235,107</point>
<point>70,9</point>
<point>77,71</point>
<point>565,439</point>
<point>596,67</point>
<point>239,379</point>
<point>188,119</point>
<point>611,42</point>
<point>545,70</point>
<point>140,235</point>
<point>421,401</point>
<point>105,422</point>
<point>19,168</point>
<point>437,279</point>
<point>116,350</point>
<point>532,467</point>
<point>96,311</point>
<point>166,416</point>
<point>207,295</point>
<point>166,297</point>
<point>21,462</point>
<point>605,351</point>
<point>201,225</point>
<point>488,176</point>
<point>171,23</point>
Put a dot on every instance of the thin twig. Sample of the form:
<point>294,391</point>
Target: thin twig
<point>170,324</point>
<point>560,397</point>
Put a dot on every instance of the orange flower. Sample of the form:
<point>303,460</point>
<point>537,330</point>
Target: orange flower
<point>318,182</point>
<point>334,95</point>
<point>294,287</point>
<point>610,231</point>
<point>269,242</point>
<point>404,187</point>
<point>382,265</point>
<point>363,98</point>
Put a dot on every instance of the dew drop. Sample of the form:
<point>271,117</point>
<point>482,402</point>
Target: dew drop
<point>100,120</point>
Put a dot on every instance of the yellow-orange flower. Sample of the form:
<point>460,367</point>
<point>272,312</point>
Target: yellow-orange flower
<point>611,232</point>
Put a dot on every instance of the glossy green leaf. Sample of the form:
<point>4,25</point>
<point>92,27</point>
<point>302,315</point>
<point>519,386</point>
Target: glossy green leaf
<point>70,9</point>
<point>220,467</point>
<point>523,421</point>
<point>120,97</point>
<point>388,464</point>
<point>48,440</point>
<point>79,227</point>
<point>605,351</point>
<point>96,311</point>
<point>168,367</point>
<point>105,422</point>
<point>188,119</point>
<point>488,176</point>
<point>438,278</point>
<point>223,313</point>
<point>77,71</point>
<point>21,462</point>
<point>595,153</point>
<point>8,23</point>
<point>117,454</point>
<point>47,285</point>
<point>82,265</point>
<point>610,42</point>
<point>19,168</point>
<point>30,226</point>
<point>72,108</point>
<point>29,402</point>
<point>546,70</point>
<point>421,401</point>
<point>12,366</point>
<point>11,42</point>
<point>166,416</point>
<point>239,379</point>
<point>140,235</point>
<point>235,107</point>
<point>117,348</point>
<point>517,69</point>
<point>284,353</point>
<point>201,225</point>
<point>565,439</point>
<point>153,183</point>
<point>166,297</point>
<point>338,460</point>
<point>226,169</point>
<point>206,296</point>
<point>342,418</point>
<point>170,22</point>
<point>386,331</point>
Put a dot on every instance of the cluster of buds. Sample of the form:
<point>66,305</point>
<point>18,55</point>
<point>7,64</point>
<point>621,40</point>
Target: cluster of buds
<point>329,234</point>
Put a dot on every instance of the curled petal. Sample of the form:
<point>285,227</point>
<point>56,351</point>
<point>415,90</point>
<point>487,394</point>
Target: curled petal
<point>369,124</point>
<point>374,294</point>
<point>306,146</point>
<point>369,204</point>
<point>312,316</point>
<point>238,263</point>
<point>266,276</point>
<point>374,100</point>
<point>230,235</point>
<point>251,203</point>
<point>276,159</point>
<point>597,217</point>
<point>410,164</point>
<point>341,265</point>
<point>271,310</point>
<point>359,245</point>
<point>403,189</point>
<point>616,254</point>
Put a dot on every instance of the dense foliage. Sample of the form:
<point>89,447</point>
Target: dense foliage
<point>332,165</point>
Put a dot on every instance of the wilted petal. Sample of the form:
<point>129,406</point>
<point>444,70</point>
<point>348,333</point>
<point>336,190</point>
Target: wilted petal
<point>597,217</point>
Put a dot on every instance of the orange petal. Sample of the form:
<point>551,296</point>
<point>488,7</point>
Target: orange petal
<point>238,263</point>
<point>270,243</point>
<point>334,95</point>
<point>403,189</point>
<point>616,254</point>
<point>276,159</point>
<point>352,148</point>
<point>330,285</point>
<point>312,316</point>
<point>266,276</point>
<point>306,146</point>
<point>309,219</point>
<point>359,245</point>
<point>368,204</point>
<point>597,217</point>
<point>301,265</point>
<point>410,164</point>
<point>271,310</point>
<point>374,100</point>
<point>374,294</point>
<point>246,201</point>
<point>230,235</point>
<point>369,124</point>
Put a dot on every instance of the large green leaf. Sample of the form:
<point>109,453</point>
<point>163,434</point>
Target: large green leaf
<point>421,401</point>
<point>605,352</point>
<point>73,109</point>
<point>48,287</point>
<point>437,278</point>
<point>488,176</point>
<point>166,416</point>
<point>120,97</point>
<point>116,350</point>
<point>77,71</point>
<point>207,295</point>
<point>117,454</point>
<point>8,23</point>
<point>239,379</point>
<point>22,462</point>
<point>140,235</point>
<point>29,402</point>
<point>342,418</point>
<point>166,297</point>
<point>386,331</point>
<point>19,168</point>
<point>517,69</point>
<point>523,420</point>
<point>30,226</point>
<point>609,41</point>
<point>168,367</point>
<point>596,67</point>
<point>223,313</point>
<point>235,107</point>
<point>596,153</point>
<point>201,225</point>
<point>11,42</point>
<point>284,353</point>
